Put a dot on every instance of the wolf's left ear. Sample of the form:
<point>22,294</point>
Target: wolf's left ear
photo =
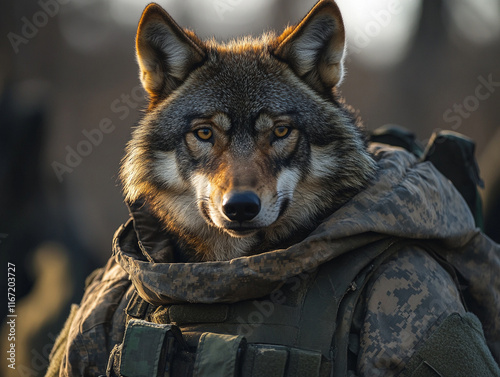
<point>315,47</point>
<point>165,52</point>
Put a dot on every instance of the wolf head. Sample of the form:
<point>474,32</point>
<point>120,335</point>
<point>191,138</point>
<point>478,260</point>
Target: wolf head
<point>245,145</point>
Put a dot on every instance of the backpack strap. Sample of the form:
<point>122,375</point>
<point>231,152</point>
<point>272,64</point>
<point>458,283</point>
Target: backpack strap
<point>453,155</point>
<point>397,136</point>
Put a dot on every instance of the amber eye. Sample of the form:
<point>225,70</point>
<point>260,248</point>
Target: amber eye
<point>282,131</point>
<point>204,134</point>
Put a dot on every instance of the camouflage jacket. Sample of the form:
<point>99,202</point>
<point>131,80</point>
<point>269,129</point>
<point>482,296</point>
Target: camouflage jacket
<point>407,298</point>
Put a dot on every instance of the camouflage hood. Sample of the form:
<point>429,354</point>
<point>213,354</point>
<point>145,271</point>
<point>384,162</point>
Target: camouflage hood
<point>407,199</point>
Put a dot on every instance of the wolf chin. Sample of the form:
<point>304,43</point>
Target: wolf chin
<point>245,146</point>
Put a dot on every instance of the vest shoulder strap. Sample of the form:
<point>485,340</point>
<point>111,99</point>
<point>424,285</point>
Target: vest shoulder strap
<point>337,281</point>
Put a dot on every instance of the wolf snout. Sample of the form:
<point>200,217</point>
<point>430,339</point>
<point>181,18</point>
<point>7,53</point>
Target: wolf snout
<point>241,206</point>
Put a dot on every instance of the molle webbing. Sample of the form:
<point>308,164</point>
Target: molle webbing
<point>191,313</point>
<point>152,350</point>
<point>263,360</point>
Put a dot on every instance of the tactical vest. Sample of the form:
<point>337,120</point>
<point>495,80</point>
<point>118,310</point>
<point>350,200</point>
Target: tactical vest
<point>302,329</point>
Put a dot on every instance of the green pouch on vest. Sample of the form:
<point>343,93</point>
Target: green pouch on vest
<point>456,349</point>
<point>147,350</point>
<point>217,355</point>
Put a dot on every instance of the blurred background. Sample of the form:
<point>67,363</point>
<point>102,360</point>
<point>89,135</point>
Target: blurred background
<point>70,95</point>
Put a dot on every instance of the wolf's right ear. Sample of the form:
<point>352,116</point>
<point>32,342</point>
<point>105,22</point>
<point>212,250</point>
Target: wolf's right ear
<point>165,52</point>
<point>314,48</point>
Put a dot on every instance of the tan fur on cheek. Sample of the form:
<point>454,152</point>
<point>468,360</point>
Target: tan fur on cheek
<point>166,170</point>
<point>287,182</point>
<point>201,185</point>
<point>181,210</point>
<point>322,162</point>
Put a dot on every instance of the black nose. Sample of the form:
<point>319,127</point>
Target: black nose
<point>241,206</point>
